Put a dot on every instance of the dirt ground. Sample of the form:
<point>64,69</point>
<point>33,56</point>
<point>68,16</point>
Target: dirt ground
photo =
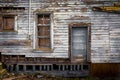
<point>38,76</point>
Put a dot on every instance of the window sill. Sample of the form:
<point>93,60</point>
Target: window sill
<point>43,50</point>
<point>8,32</point>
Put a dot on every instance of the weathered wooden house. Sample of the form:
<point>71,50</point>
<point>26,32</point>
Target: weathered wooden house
<point>70,38</point>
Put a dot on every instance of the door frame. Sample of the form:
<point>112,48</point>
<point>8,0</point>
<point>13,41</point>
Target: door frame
<point>88,25</point>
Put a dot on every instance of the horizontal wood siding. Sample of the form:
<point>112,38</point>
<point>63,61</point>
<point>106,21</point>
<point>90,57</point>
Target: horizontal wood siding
<point>15,42</point>
<point>104,43</point>
<point>105,29</point>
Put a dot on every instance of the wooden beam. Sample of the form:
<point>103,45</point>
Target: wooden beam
<point>90,2</point>
<point>12,8</point>
<point>103,69</point>
<point>113,9</point>
<point>15,43</point>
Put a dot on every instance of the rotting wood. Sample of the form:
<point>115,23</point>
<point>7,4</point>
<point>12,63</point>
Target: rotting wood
<point>112,9</point>
<point>15,43</point>
<point>23,59</point>
<point>117,4</point>
<point>107,8</point>
<point>79,18</point>
<point>84,9</point>
<point>91,2</point>
<point>7,0</point>
<point>103,69</point>
<point>10,9</point>
<point>79,24</point>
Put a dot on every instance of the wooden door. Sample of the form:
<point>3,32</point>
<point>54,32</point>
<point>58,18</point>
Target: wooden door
<point>79,43</point>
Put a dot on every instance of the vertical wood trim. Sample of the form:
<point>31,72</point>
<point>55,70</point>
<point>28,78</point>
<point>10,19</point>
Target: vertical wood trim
<point>34,32</point>
<point>29,17</point>
<point>1,21</point>
<point>51,30</point>
<point>69,54</point>
<point>15,24</point>
<point>89,44</point>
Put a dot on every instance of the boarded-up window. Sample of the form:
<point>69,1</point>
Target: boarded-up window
<point>7,23</point>
<point>43,33</point>
<point>79,43</point>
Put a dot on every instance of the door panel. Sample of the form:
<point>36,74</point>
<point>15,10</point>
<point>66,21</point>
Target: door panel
<point>79,43</point>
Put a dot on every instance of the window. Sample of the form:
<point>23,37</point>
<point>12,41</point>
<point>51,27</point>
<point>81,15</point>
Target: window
<point>7,23</point>
<point>79,42</point>
<point>43,32</point>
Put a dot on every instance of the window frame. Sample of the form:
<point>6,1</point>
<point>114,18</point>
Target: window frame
<point>88,26</point>
<point>35,41</point>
